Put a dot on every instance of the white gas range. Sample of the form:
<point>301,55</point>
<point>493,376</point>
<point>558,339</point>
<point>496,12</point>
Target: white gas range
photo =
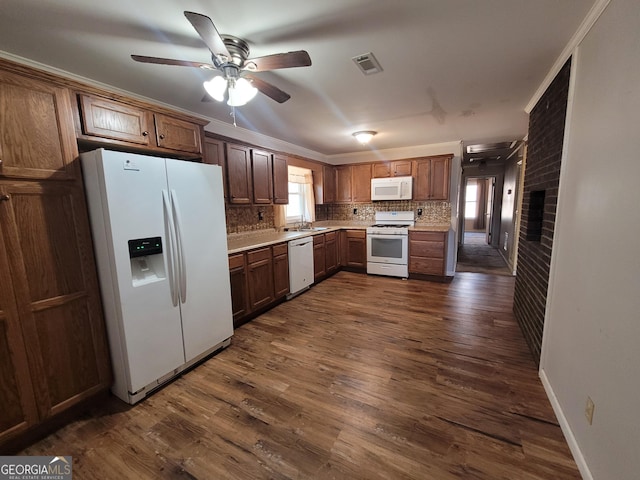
<point>388,244</point>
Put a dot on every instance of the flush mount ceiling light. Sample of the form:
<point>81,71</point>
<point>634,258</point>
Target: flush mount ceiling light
<point>364,136</point>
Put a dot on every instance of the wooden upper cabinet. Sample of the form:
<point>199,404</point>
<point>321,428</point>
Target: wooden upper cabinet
<point>397,168</point>
<point>38,139</point>
<point>361,183</point>
<point>343,184</point>
<point>176,134</point>
<point>440,178</point>
<point>123,124</point>
<point>262,175</point>
<point>239,174</point>
<point>432,178</point>
<point>108,119</point>
<point>328,185</point>
<point>280,179</point>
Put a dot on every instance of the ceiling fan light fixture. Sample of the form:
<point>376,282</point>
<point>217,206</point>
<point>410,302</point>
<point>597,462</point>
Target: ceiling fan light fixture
<point>241,92</point>
<point>364,136</point>
<point>216,87</point>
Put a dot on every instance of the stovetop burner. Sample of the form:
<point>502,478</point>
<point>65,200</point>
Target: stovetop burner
<point>382,225</point>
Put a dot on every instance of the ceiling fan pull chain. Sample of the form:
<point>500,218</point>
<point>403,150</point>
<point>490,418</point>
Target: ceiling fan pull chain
<point>233,114</point>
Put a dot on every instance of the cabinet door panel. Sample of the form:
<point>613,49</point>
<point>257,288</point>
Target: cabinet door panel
<point>328,184</point>
<point>280,180</point>
<point>440,178</point>
<point>281,275</point>
<point>421,188</point>
<point>176,134</point>
<point>343,184</point>
<point>109,119</point>
<point>361,183</point>
<point>37,139</point>
<point>53,273</point>
<point>238,174</point>
<point>262,177</point>
<point>17,403</point>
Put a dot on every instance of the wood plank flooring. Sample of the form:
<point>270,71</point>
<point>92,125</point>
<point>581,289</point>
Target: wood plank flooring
<point>362,377</point>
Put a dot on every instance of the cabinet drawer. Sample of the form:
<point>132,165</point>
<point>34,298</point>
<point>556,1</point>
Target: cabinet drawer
<point>427,266</point>
<point>356,234</point>
<point>330,237</point>
<point>318,239</point>
<point>259,255</point>
<point>427,236</point>
<point>280,249</point>
<point>236,261</point>
<point>426,249</point>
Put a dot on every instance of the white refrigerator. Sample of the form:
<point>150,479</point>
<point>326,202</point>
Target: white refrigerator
<point>160,241</point>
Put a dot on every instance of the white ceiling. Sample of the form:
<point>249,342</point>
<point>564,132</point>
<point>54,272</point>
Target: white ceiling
<point>453,69</point>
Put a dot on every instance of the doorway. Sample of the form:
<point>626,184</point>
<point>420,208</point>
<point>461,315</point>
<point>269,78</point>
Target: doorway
<point>480,212</point>
<point>477,209</point>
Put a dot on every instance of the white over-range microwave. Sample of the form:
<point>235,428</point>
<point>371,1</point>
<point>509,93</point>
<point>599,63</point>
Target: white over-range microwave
<point>392,188</point>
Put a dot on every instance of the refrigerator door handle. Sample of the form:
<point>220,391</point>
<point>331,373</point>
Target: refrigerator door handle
<point>171,254</point>
<point>180,246</point>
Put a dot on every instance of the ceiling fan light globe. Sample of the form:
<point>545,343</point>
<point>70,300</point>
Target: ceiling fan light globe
<point>216,88</point>
<point>241,93</point>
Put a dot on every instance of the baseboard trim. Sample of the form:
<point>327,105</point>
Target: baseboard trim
<point>566,429</point>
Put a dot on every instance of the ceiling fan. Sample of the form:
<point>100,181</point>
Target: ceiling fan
<point>230,56</point>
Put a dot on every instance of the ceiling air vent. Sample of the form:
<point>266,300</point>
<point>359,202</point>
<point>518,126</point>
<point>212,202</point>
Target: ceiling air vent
<point>367,63</point>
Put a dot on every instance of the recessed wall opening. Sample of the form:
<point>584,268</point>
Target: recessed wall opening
<point>536,213</point>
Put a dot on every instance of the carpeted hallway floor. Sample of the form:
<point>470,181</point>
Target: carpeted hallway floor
<point>476,256</point>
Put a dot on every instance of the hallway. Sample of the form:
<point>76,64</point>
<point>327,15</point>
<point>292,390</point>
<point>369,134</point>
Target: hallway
<point>478,257</point>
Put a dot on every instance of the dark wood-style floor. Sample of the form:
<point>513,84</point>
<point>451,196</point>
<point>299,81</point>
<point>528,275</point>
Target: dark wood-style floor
<point>362,377</point>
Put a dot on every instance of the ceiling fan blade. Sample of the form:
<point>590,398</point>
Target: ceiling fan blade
<point>299,58</point>
<point>269,90</point>
<point>209,34</point>
<point>169,61</point>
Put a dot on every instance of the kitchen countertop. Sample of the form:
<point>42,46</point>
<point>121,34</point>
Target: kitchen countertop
<point>240,242</point>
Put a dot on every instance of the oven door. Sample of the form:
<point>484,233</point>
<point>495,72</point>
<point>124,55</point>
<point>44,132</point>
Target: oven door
<point>387,248</point>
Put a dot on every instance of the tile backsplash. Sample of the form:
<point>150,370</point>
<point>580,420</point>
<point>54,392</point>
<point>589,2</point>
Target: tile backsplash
<point>247,218</point>
<point>433,213</point>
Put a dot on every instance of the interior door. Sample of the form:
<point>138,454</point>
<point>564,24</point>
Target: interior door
<point>207,317</point>
<point>490,189</point>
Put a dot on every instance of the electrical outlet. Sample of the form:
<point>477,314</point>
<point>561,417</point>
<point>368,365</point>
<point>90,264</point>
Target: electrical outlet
<point>355,211</point>
<point>588,410</point>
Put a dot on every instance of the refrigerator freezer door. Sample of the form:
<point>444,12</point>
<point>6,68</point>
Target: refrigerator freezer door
<point>197,197</point>
<point>147,324</point>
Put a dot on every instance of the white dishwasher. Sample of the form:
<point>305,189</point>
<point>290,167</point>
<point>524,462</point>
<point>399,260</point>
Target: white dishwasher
<point>300,265</point>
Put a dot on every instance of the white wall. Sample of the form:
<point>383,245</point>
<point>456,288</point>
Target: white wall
<point>591,344</point>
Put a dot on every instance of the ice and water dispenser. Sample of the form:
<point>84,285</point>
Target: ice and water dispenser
<point>147,260</point>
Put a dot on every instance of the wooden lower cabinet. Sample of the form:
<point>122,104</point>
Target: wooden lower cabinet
<point>53,349</point>
<point>427,253</point>
<point>331,252</point>
<point>281,270</point>
<point>355,250</point>
<point>319,257</point>
<point>259,278</point>
<point>239,287</point>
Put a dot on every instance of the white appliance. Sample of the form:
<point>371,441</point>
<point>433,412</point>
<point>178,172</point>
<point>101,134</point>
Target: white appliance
<point>300,265</point>
<point>388,244</point>
<point>392,188</point>
<point>161,248</point>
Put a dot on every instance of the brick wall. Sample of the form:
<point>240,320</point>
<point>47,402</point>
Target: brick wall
<point>542,175</point>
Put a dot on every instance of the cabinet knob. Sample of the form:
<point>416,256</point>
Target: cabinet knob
<point>162,136</point>
<point>5,197</point>
<point>145,133</point>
